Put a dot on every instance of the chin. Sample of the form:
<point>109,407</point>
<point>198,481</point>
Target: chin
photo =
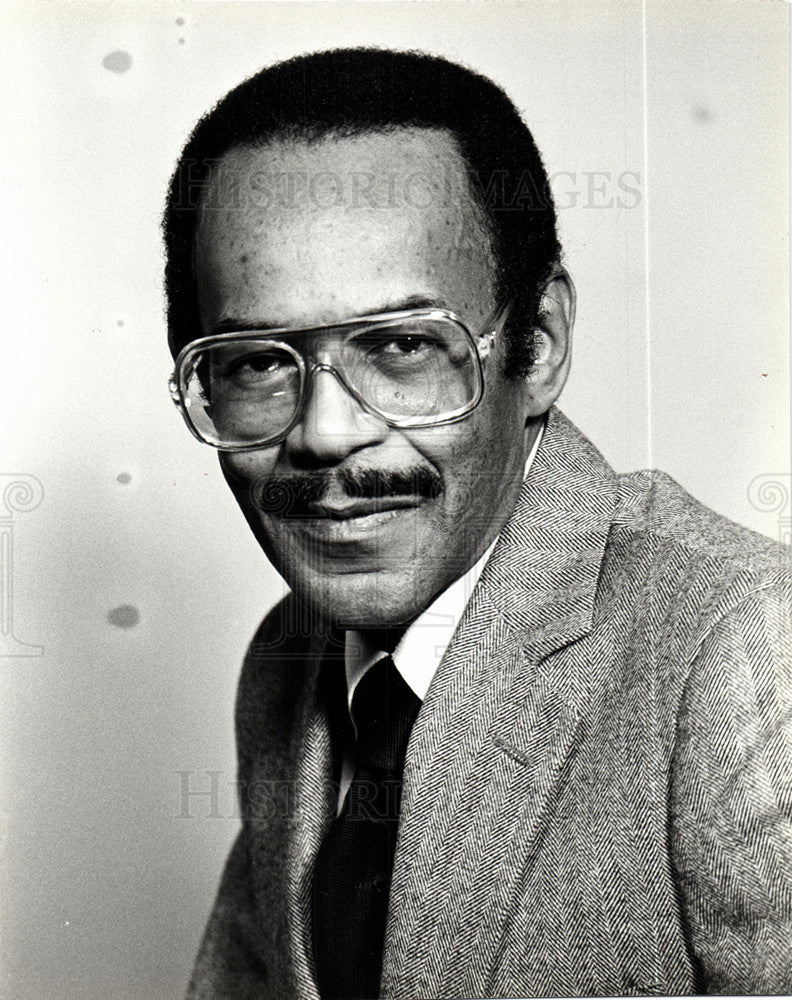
<point>363,600</point>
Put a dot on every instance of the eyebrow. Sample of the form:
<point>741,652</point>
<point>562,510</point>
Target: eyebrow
<point>230,324</point>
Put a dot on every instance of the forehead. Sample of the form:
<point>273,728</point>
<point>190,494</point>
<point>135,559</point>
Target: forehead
<point>296,232</point>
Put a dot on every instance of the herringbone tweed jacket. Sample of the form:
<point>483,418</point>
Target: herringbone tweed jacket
<point>598,788</point>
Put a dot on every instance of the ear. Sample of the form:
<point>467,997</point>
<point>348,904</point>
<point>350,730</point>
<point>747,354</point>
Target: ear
<point>553,339</point>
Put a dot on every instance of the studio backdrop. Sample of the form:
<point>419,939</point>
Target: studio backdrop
<point>130,582</point>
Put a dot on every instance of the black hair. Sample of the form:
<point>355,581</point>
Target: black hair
<point>350,92</point>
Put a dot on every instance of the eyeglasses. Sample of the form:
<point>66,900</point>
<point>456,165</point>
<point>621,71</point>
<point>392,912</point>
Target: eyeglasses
<point>413,368</point>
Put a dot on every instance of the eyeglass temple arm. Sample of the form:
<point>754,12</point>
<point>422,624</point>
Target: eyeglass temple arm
<point>486,339</point>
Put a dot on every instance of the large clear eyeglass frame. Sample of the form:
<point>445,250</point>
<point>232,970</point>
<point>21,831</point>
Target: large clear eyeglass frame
<point>482,346</point>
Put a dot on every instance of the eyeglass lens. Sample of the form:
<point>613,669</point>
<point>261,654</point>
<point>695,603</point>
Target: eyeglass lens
<point>249,390</point>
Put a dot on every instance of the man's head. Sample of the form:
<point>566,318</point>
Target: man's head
<point>356,182</point>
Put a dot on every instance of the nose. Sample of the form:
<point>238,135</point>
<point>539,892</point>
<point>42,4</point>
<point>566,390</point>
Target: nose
<point>333,423</point>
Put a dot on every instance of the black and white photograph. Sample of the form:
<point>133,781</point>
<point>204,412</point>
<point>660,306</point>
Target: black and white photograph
<point>395,501</point>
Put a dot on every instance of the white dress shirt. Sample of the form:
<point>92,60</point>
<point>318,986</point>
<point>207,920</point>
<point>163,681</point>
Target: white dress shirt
<point>423,645</point>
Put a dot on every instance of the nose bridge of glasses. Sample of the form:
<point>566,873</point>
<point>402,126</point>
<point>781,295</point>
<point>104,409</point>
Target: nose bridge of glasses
<point>331,402</point>
<point>323,362</point>
<point>332,420</point>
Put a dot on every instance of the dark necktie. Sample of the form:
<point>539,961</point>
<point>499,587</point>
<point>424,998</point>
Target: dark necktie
<point>355,861</point>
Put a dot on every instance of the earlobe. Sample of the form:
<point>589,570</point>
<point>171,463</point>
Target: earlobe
<point>552,343</point>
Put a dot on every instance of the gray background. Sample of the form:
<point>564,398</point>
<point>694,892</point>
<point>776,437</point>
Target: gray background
<point>136,574</point>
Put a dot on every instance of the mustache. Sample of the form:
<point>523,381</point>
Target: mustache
<point>291,496</point>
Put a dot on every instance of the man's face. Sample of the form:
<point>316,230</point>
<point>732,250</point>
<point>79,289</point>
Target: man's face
<point>341,228</point>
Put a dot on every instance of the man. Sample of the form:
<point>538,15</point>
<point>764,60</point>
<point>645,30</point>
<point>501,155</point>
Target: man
<point>524,726</point>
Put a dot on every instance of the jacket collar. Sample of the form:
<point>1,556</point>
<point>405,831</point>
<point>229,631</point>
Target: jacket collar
<point>542,575</point>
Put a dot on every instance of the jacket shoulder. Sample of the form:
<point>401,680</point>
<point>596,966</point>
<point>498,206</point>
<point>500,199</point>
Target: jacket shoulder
<point>689,562</point>
<point>655,506</point>
<point>278,665</point>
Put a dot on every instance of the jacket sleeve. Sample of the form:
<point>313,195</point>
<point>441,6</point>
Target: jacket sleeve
<point>227,966</point>
<point>241,955</point>
<point>731,800</point>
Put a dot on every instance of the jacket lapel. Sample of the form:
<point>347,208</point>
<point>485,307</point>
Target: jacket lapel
<point>312,801</point>
<point>497,724</point>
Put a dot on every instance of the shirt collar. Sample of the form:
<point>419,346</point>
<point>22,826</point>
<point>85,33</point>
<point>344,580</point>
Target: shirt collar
<point>423,645</point>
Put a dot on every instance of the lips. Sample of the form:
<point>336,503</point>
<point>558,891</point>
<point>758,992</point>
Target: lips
<point>357,526</point>
<point>356,509</point>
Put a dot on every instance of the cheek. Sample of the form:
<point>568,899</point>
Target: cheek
<point>485,442</point>
<point>479,464</point>
<point>247,473</point>
<point>467,463</point>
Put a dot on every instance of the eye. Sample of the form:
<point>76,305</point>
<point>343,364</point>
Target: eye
<point>406,344</point>
<point>259,363</point>
<point>397,345</point>
<point>252,368</point>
